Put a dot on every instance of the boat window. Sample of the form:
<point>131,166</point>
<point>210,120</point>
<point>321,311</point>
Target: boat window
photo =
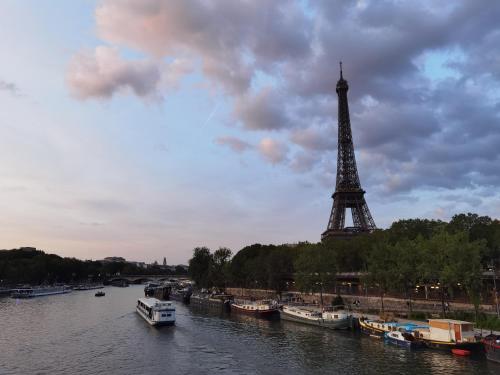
<point>467,327</point>
<point>169,314</point>
<point>335,316</point>
<point>163,315</point>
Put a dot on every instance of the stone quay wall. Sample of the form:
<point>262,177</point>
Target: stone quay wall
<point>366,304</point>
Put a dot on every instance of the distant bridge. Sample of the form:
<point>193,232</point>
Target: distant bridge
<point>139,279</point>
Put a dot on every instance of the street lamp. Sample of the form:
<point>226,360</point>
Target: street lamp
<point>492,265</point>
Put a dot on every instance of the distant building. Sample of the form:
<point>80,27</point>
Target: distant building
<point>138,264</point>
<point>113,259</point>
<point>27,248</point>
<point>164,261</point>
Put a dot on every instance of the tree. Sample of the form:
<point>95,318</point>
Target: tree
<point>466,223</point>
<point>451,260</point>
<point>315,269</point>
<point>407,274</point>
<point>412,228</point>
<point>199,267</point>
<point>220,267</point>
<point>279,267</point>
<point>382,268</point>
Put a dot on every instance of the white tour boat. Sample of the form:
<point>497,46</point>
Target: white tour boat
<point>334,319</point>
<point>156,312</point>
<point>39,292</point>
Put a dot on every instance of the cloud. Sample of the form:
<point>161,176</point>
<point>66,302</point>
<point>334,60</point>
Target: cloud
<point>304,162</point>
<point>274,152</point>
<point>262,111</point>
<point>9,87</point>
<point>235,144</point>
<point>412,128</point>
<point>103,73</point>
<point>315,139</point>
<point>220,33</point>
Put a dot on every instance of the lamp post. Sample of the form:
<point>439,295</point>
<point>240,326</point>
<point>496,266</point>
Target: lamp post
<point>495,287</point>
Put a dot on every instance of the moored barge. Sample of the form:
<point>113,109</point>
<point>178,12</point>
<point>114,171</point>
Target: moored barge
<point>264,308</point>
<point>39,292</point>
<point>333,319</point>
<point>448,334</point>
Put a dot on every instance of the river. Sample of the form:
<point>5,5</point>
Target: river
<point>78,333</point>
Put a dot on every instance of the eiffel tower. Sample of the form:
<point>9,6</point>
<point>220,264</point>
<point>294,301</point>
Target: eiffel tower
<point>348,192</point>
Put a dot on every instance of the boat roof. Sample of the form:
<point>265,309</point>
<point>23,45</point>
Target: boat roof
<point>453,321</point>
<point>151,302</point>
<point>412,326</point>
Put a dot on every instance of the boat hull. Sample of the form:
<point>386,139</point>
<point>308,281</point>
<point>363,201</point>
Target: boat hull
<point>154,323</point>
<point>371,331</point>
<point>492,348</point>
<point>260,313</point>
<point>41,294</point>
<point>405,344</point>
<point>448,346</point>
<point>340,324</point>
<point>181,297</point>
<point>222,303</point>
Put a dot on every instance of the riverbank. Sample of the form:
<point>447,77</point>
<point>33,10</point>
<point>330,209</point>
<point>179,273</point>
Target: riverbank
<point>363,305</point>
<point>369,303</point>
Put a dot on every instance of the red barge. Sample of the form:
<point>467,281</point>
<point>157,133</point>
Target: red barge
<point>263,308</point>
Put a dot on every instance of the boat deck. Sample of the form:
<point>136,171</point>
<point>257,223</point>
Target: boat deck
<point>478,331</point>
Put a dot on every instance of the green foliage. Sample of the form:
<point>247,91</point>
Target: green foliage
<point>219,271</point>
<point>412,228</point>
<point>200,267</point>
<point>31,266</point>
<point>315,268</point>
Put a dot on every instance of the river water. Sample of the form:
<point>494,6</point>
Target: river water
<point>78,333</point>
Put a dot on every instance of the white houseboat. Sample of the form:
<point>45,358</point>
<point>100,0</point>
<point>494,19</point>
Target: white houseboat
<point>39,292</point>
<point>334,319</point>
<point>156,312</point>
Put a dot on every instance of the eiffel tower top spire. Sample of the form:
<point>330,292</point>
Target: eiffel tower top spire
<point>342,83</point>
<point>348,191</point>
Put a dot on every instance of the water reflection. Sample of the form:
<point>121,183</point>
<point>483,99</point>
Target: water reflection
<point>78,333</point>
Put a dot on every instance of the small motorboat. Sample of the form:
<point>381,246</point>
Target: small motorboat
<point>404,339</point>
<point>100,294</point>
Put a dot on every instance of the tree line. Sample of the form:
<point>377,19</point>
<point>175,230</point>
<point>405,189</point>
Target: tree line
<point>31,266</point>
<point>449,255</point>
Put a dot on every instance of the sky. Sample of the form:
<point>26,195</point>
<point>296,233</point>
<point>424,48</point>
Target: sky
<point>145,128</point>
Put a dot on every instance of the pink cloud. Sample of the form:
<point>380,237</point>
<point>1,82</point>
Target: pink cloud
<point>274,152</point>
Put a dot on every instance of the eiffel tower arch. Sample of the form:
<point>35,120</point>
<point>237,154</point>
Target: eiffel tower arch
<point>348,192</point>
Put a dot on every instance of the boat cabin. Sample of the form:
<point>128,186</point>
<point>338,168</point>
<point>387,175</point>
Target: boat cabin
<point>156,311</point>
<point>449,330</point>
